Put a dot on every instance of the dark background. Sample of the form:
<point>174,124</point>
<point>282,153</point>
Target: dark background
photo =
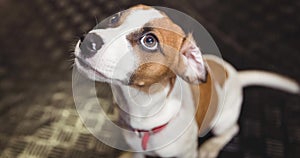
<point>37,112</point>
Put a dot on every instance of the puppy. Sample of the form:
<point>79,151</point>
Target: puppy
<point>169,94</point>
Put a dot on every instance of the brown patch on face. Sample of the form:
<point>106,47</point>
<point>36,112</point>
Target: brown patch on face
<point>168,33</point>
<point>149,74</point>
<point>140,6</point>
<point>119,18</point>
<point>155,66</point>
<point>113,21</point>
<point>145,7</point>
<point>123,16</point>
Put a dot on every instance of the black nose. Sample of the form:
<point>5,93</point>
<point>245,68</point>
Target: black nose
<point>90,44</point>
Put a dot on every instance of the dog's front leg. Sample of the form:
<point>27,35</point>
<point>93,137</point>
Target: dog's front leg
<point>212,147</point>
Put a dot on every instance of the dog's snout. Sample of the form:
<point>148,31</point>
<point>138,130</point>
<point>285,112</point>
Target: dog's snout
<point>91,44</point>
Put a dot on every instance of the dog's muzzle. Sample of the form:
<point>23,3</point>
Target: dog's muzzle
<point>90,45</point>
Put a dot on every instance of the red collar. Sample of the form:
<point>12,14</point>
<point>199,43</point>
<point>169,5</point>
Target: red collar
<point>145,134</point>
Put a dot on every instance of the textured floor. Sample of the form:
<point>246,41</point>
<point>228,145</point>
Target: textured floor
<point>37,112</point>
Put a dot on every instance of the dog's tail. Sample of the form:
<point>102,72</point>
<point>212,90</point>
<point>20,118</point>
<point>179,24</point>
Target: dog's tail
<point>262,78</point>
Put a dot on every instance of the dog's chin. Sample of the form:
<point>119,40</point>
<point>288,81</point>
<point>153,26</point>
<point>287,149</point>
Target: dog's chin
<point>94,75</point>
<point>90,74</point>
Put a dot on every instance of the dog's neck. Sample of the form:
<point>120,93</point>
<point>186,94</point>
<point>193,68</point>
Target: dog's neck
<point>149,110</point>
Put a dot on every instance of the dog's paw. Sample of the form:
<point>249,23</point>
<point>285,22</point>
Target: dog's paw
<point>131,155</point>
<point>126,155</point>
<point>209,149</point>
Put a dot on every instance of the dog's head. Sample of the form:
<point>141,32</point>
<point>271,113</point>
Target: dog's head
<point>139,47</point>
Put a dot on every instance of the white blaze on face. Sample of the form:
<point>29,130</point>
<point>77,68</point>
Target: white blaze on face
<point>116,58</point>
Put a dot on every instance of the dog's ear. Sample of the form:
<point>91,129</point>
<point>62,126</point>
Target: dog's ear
<point>190,66</point>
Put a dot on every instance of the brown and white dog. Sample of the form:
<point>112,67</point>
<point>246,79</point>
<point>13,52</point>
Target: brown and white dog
<point>143,55</point>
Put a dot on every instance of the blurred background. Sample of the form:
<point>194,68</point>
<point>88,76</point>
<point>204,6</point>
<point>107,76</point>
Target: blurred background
<point>37,112</point>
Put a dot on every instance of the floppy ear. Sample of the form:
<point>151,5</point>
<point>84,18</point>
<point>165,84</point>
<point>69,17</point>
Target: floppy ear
<point>191,66</point>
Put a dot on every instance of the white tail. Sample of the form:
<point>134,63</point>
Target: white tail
<point>262,78</point>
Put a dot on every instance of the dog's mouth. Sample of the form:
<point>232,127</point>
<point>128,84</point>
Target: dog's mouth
<point>87,67</point>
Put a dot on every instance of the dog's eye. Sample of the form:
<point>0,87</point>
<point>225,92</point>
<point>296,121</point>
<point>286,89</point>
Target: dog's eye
<point>149,41</point>
<point>115,18</point>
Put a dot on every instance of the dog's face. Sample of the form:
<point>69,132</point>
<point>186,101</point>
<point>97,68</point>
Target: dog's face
<point>139,47</point>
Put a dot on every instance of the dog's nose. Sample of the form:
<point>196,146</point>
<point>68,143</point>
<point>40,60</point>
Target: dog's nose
<point>91,44</point>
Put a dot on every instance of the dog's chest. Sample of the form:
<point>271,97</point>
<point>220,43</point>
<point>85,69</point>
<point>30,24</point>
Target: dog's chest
<point>151,110</point>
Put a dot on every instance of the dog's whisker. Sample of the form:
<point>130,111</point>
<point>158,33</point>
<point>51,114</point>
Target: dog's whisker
<point>71,60</point>
<point>96,19</point>
<point>71,66</point>
<point>71,52</point>
<point>71,63</point>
